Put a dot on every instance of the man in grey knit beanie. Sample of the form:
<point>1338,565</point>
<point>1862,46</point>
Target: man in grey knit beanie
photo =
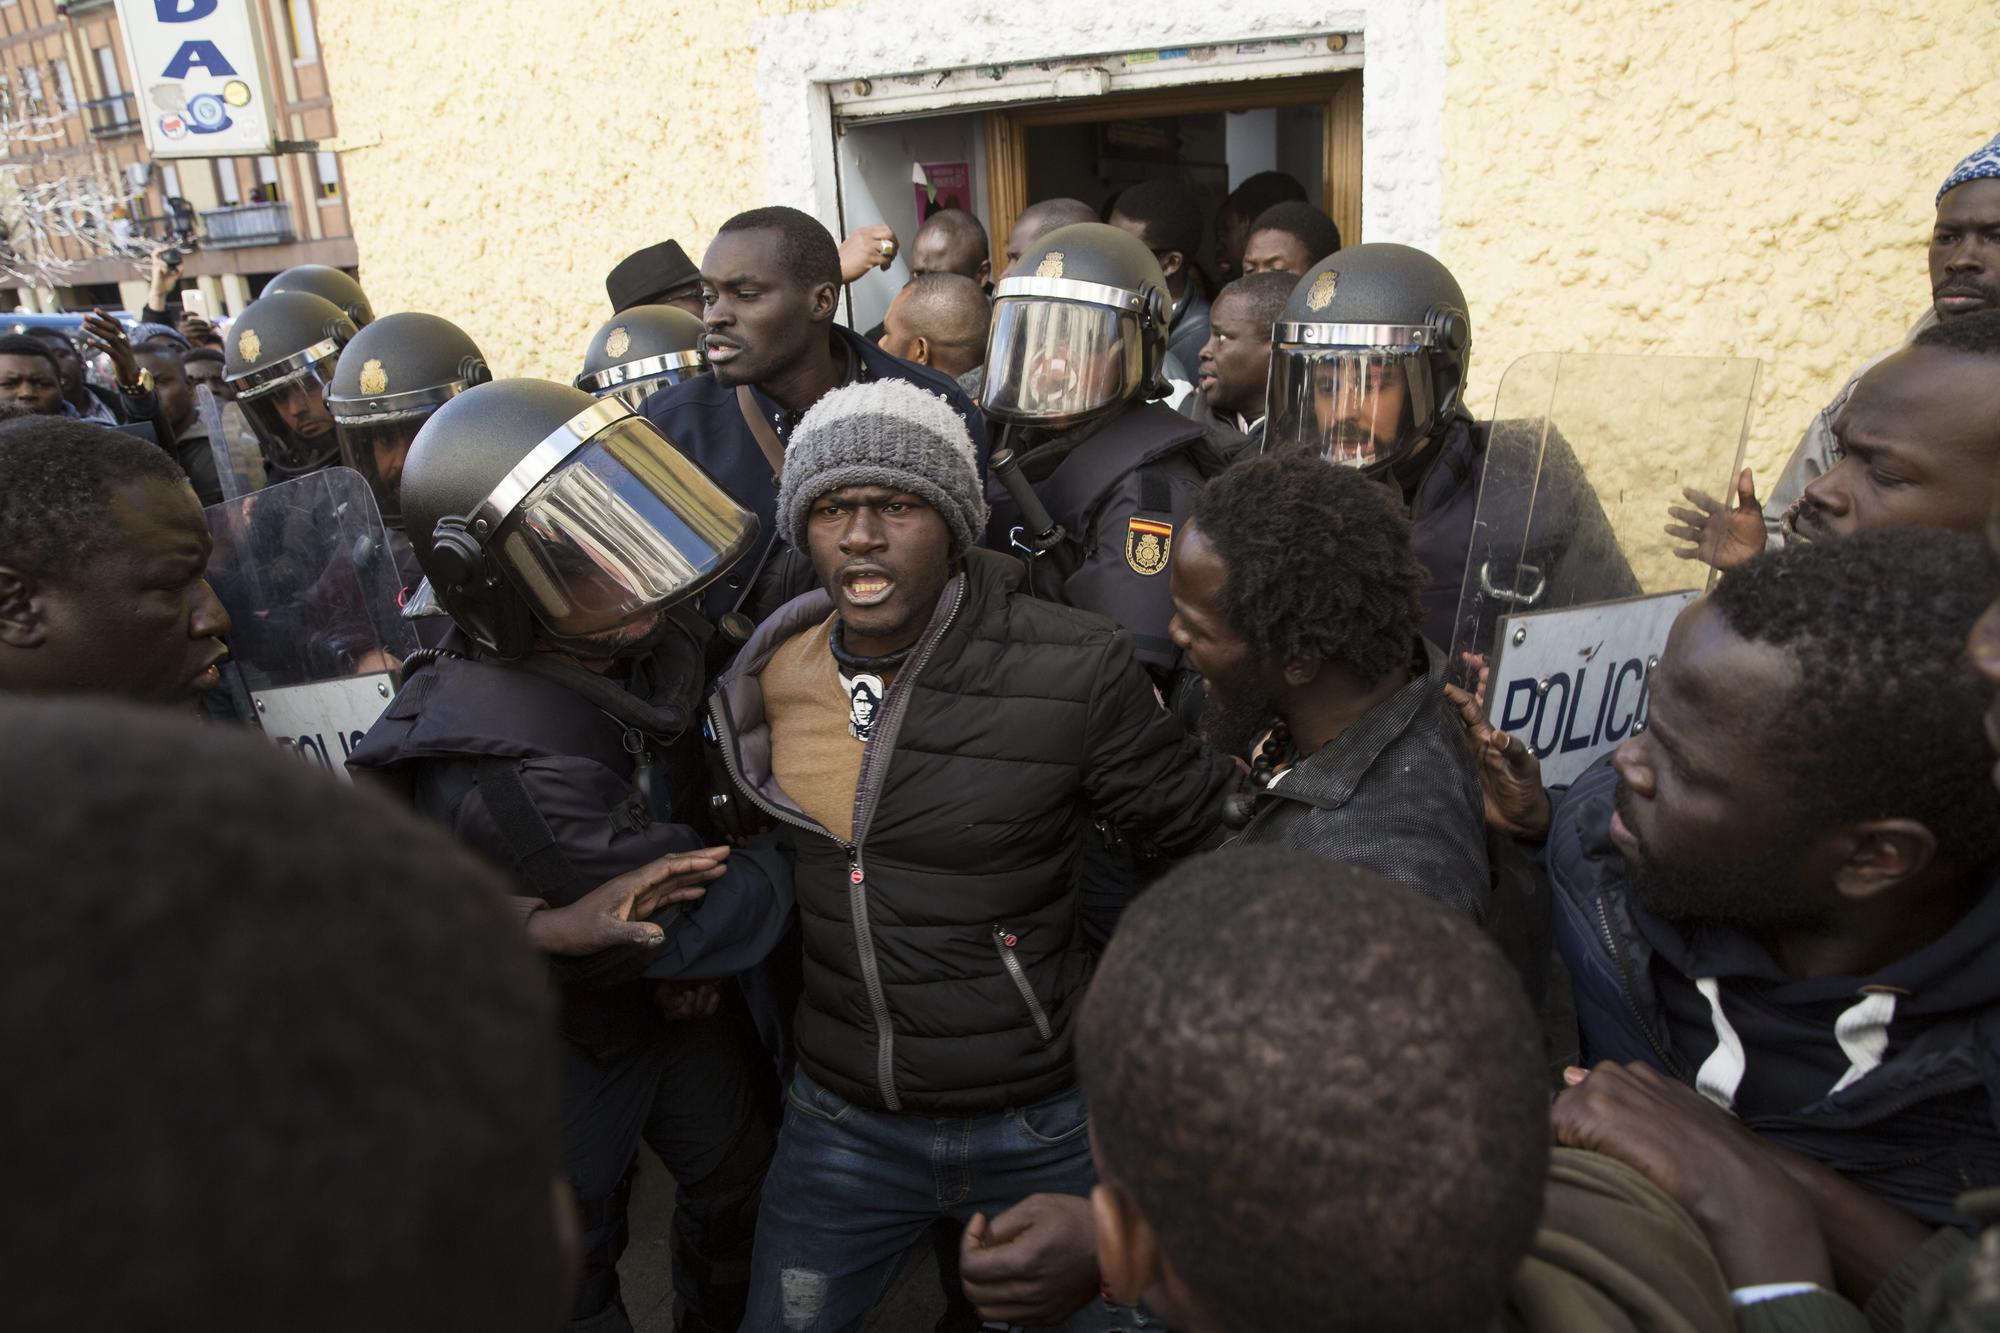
<point>938,743</point>
<point>884,433</point>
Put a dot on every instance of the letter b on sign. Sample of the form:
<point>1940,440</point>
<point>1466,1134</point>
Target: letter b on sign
<point>183,11</point>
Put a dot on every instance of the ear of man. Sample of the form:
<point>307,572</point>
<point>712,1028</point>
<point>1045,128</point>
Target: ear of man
<point>21,622</point>
<point>1880,855</point>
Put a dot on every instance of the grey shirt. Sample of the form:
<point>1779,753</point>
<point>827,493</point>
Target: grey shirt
<point>1395,793</point>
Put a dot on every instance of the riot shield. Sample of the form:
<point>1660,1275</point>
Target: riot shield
<point>1571,582</point>
<point>306,571</point>
<point>239,463</point>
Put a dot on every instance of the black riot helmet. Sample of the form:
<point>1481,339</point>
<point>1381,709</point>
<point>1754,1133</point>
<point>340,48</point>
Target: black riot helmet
<point>534,507</point>
<point>643,350</point>
<point>279,357</point>
<point>1368,360</point>
<point>395,373</point>
<point>328,284</point>
<point>1079,327</point>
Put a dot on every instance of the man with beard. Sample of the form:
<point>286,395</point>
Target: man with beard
<point>1228,401</point>
<point>1965,281</point>
<point>1781,892</point>
<point>770,287</point>
<point>553,731</point>
<point>1917,443</point>
<point>1295,596</point>
<point>936,837</point>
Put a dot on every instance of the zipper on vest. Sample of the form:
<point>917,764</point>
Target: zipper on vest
<point>1003,944</point>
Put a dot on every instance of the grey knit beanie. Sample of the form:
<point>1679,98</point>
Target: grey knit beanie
<point>884,433</point>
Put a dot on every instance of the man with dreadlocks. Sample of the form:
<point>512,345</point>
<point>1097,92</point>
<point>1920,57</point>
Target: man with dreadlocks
<point>1296,596</point>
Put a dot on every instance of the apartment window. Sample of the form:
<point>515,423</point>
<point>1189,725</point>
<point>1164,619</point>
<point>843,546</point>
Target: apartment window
<point>228,188</point>
<point>107,71</point>
<point>268,189</point>
<point>31,92</point>
<point>170,181</point>
<point>305,42</point>
<point>327,167</point>
<point>65,86</point>
<point>7,99</point>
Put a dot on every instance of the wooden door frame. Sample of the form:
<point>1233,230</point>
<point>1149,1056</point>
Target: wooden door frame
<point>1339,94</point>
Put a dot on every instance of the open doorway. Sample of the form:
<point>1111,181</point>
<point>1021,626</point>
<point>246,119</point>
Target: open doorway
<point>1209,136</point>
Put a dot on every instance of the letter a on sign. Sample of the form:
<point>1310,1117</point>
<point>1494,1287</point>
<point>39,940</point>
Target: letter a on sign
<point>198,53</point>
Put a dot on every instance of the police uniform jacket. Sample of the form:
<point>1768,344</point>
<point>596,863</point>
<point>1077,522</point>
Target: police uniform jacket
<point>554,789</point>
<point>1123,489</point>
<point>944,956</point>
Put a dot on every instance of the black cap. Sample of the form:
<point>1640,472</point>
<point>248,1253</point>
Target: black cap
<point>649,274</point>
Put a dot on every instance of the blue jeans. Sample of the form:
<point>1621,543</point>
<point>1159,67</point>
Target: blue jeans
<point>852,1189</point>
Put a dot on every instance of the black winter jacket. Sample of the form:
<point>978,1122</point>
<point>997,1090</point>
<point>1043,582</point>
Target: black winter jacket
<point>944,957</point>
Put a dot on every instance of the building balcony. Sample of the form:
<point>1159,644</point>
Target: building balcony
<point>247,224</point>
<point>109,117</point>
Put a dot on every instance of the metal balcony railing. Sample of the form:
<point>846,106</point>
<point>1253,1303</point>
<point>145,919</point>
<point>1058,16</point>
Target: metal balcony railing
<point>247,224</point>
<point>111,116</point>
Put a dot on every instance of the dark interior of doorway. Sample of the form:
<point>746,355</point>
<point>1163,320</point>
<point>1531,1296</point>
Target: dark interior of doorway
<point>1209,152</point>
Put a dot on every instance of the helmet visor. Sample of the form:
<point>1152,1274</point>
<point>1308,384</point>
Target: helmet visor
<point>1055,361</point>
<point>375,446</point>
<point>624,526</point>
<point>1354,406</point>
<point>635,393</point>
<point>291,417</point>
<point>633,382</point>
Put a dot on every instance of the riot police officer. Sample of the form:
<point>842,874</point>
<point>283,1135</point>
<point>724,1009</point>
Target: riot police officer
<point>1072,374</point>
<point>392,377</point>
<point>641,351</point>
<point>280,356</point>
<point>552,732</point>
<point>1073,379</point>
<point>1368,367</point>
<point>328,284</point>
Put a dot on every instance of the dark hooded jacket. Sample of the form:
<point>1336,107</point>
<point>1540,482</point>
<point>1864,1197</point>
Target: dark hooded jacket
<point>944,955</point>
<point>1890,1079</point>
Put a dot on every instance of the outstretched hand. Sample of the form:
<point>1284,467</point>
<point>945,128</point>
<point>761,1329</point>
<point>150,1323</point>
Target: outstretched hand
<point>1509,774</point>
<point>1716,534</point>
<point>615,912</point>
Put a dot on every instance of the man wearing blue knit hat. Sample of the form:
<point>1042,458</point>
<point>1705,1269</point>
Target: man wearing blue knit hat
<point>1965,277</point>
<point>933,743</point>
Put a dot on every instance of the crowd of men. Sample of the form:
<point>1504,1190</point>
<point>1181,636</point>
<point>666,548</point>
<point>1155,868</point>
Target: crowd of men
<point>992,788</point>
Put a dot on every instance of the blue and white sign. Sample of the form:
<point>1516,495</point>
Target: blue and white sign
<point>198,65</point>
<point>1572,684</point>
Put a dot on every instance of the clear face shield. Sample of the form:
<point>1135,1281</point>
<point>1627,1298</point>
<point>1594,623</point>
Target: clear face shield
<point>1362,403</point>
<point>605,521</point>
<point>1062,351</point>
<point>635,381</point>
<point>375,437</point>
<point>286,405</point>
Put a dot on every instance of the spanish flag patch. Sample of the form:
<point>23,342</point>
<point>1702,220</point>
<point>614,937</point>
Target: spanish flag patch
<point>1147,545</point>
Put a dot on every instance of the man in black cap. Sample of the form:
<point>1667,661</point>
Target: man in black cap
<point>657,275</point>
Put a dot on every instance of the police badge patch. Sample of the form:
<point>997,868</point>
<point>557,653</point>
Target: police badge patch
<point>618,342</point>
<point>1051,265</point>
<point>249,345</point>
<point>1147,545</point>
<point>1321,295</point>
<point>374,379</point>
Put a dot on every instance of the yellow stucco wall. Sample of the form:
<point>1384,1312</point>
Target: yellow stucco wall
<point>1706,177</point>
<point>516,149</point>
<point>1698,177</point>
